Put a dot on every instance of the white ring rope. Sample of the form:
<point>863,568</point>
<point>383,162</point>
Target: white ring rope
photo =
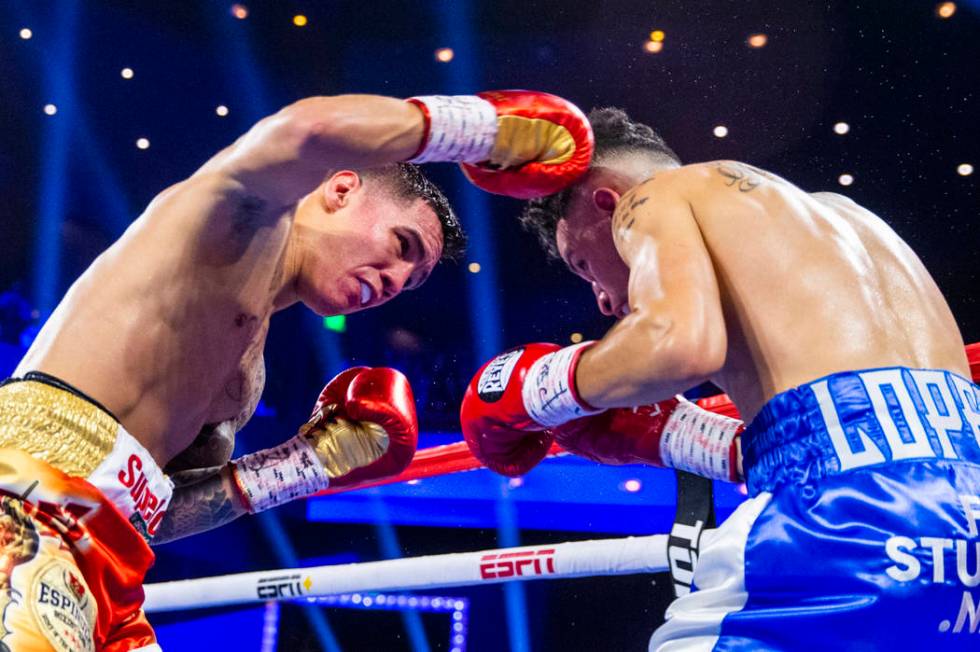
<point>647,554</point>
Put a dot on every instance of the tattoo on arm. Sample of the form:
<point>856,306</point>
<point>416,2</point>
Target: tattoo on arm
<point>623,217</point>
<point>201,502</point>
<point>744,177</point>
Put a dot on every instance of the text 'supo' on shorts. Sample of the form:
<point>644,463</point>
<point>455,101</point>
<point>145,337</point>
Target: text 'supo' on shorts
<point>79,498</point>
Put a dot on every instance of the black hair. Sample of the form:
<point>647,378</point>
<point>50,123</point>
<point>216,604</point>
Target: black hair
<point>614,133</point>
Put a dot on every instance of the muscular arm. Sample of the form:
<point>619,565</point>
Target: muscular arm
<point>286,155</point>
<point>204,499</point>
<point>674,336</point>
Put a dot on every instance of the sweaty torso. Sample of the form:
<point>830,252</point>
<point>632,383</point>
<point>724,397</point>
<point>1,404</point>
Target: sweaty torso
<point>812,284</point>
<point>167,327</point>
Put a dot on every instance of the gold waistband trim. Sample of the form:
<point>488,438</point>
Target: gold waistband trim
<point>55,426</point>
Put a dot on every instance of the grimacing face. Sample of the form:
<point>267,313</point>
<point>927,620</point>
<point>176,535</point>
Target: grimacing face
<point>365,246</point>
<point>585,240</point>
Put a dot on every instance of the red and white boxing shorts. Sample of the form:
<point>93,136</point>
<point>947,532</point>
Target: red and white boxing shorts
<point>79,499</point>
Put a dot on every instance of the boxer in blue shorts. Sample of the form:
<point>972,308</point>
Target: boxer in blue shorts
<point>862,454</point>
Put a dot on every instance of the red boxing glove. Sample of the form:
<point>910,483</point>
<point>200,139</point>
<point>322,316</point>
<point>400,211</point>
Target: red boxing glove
<point>673,433</point>
<point>522,144</point>
<point>381,396</point>
<point>544,144</point>
<point>496,424</point>
<point>363,428</point>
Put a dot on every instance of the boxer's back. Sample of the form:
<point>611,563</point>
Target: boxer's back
<point>811,285</point>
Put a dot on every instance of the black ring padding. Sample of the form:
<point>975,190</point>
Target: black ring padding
<point>695,513</point>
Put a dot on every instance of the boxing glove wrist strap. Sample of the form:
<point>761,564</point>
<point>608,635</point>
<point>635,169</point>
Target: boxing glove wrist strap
<point>278,475</point>
<point>459,128</point>
<point>701,442</point>
<point>549,392</point>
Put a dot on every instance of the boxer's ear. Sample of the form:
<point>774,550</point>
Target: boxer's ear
<point>336,190</point>
<point>605,199</point>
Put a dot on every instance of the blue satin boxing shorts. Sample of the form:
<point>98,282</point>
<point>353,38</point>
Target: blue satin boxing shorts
<point>861,530</point>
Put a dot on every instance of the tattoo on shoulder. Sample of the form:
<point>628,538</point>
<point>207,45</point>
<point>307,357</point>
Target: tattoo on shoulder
<point>742,176</point>
<point>623,217</point>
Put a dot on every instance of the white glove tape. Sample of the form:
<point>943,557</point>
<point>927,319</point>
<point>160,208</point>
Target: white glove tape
<point>278,475</point>
<point>699,441</point>
<point>548,391</point>
<point>462,129</point>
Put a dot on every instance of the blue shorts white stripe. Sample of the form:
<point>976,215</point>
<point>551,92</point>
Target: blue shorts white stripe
<point>862,529</point>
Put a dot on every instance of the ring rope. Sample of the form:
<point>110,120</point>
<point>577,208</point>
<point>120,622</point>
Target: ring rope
<point>630,555</point>
<point>453,458</point>
<point>626,556</point>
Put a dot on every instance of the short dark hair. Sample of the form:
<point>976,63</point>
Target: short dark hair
<point>615,134</point>
<point>406,181</point>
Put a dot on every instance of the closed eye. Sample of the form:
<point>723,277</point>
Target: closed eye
<point>403,246</point>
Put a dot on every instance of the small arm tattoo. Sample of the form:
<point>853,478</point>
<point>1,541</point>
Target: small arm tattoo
<point>744,177</point>
<point>201,502</point>
<point>623,217</point>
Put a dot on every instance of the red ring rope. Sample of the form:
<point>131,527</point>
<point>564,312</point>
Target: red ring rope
<point>452,458</point>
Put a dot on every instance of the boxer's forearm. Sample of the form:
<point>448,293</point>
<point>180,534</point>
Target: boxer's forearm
<point>200,506</point>
<point>285,156</point>
<point>640,361</point>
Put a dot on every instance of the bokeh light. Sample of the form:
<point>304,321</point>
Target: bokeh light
<point>239,11</point>
<point>576,338</point>
<point>474,267</point>
<point>653,47</point>
<point>964,169</point>
<point>720,131</point>
<point>657,35</point>
<point>841,128</point>
<point>26,33</point>
<point>221,110</point>
<point>845,179</point>
<point>299,20</point>
<point>445,55</point>
<point>945,9</point>
<point>758,40</point>
<point>50,109</point>
<point>126,73</point>
<point>142,143</point>
<point>632,486</point>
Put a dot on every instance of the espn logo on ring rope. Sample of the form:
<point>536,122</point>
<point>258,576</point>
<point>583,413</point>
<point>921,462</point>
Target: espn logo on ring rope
<point>524,563</point>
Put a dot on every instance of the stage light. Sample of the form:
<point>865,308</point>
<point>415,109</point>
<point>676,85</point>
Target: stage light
<point>576,338</point>
<point>514,483</point>
<point>221,110</point>
<point>720,131</point>
<point>964,169</point>
<point>474,268</point>
<point>50,109</point>
<point>126,73</point>
<point>845,179</point>
<point>945,9</point>
<point>335,323</point>
<point>657,35</point>
<point>26,33</point>
<point>445,55</point>
<point>758,40</point>
<point>632,486</point>
<point>653,47</point>
<point>239,11</point>
<point>841,128</point>
<point>142,143</point>
<point>299,20</point>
